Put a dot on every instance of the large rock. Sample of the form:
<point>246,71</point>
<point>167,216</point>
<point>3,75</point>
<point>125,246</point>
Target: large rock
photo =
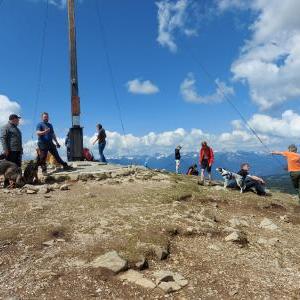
<point>138,279</point>
<point>110,261</point>
<point>268,224</point>
<point>169,281</point>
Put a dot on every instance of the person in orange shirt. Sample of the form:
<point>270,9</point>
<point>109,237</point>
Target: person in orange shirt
<point>206,159</point>
<point>293,159</point>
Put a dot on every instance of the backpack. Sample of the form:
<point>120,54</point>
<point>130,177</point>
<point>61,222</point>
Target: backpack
<point>87,155</point>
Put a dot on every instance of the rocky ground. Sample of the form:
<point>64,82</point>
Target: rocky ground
<point>139,234</point>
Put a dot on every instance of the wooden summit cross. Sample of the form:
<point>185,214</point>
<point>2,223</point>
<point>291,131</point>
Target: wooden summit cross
<point>76,131</point>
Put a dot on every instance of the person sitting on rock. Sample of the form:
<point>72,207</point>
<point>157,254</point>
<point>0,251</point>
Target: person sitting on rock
<point>193,170</point>
<point>293,159</point>
<point>250,181</point>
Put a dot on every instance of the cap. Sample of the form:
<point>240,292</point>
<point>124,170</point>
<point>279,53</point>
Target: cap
<point>14,116</point>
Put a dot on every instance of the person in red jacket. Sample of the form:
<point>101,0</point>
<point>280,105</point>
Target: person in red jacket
<point>206,159</point>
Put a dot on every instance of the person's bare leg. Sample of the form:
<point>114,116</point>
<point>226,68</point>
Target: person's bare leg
<point>209,178</point>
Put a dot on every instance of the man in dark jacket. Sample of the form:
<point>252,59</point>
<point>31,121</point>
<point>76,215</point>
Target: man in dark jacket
<point>11,139</point>
<point>101,139</point>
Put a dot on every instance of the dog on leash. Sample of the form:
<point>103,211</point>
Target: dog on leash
<point>12,173</point>
<point>227,176</point>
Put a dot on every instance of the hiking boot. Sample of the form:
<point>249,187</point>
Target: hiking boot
<point>67,168</point>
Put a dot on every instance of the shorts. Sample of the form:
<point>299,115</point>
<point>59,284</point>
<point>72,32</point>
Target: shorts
<point>205,165</point>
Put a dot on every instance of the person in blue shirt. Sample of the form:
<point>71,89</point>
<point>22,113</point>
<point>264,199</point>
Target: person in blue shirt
<point>47,142</point>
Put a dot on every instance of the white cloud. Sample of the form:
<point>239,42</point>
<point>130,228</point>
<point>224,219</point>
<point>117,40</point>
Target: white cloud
<point>270,61</point>
<point>173,17</point>
<point>189,92</point>
<point>137,86</point>
<point>7,107</point>
<point>288,126</point>
<point>230,4</point>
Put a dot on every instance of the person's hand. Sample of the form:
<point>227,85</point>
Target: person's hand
<point>46,130</point>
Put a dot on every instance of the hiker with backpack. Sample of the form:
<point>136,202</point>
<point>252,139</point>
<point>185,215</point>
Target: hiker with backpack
<point>206,159</point>
<point>101,139</point>
<point>177,158</point>
<point>293,160</point>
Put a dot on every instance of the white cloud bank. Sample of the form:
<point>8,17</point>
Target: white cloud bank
<point>173,17</point>
<point>137,86</point>
<point>7,107</point>
<point>276,133</point>
<point>270,61</point>
<point>189,92</point>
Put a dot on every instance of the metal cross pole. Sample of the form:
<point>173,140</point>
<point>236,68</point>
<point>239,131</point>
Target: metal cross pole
<point>76,133</point>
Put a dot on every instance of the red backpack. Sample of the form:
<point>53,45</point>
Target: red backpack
<point>87,155</point>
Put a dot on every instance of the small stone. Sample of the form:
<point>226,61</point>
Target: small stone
<point>237,237</point>
<point>234,222</point>
<point>138,279</point>
<point>31,192</point>
<point>55,186</point>
<point>142,264</point>
<point>161,253</point>
<point>169,287</point>
<point>48,243</point>
<point>64,187</point>
<point>268,224</point>
<point>111,261</point>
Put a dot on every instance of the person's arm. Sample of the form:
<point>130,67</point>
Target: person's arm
<point>256,178</point>
<point>276,153</point>
<point>41,132</point>
<point>4,140</point>
<point>96,140</point>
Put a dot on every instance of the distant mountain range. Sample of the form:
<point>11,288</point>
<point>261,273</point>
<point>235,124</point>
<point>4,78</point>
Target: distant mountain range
<point>272,170</point>
<point>261,163</point>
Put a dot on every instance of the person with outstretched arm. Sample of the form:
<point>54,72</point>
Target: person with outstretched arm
<point>46,136</point>
<point>293,160</point>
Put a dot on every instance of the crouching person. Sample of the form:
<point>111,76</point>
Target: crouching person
<point>293,159</point>
<point>249,182</point>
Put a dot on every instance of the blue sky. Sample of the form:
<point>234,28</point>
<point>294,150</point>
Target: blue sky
<point>224,35</point>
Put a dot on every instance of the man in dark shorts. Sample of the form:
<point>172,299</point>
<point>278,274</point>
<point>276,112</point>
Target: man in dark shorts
<point>206,159</point>
<point>46,136</point>
<point>101,139</point>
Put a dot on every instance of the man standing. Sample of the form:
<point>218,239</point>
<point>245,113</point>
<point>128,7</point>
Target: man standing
<point>11,139</point>
<point>177,158</point>
<point>101,139</point>
<point>46,136</point>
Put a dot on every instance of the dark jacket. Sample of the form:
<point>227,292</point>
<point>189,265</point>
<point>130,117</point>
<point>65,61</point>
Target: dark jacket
<point>177,154</point>
<point>11,138</point>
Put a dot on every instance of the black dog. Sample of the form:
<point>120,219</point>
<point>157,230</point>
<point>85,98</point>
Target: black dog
<point>31,172</point>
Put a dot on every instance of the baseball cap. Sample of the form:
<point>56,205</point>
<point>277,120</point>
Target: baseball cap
<point>14,116</point>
